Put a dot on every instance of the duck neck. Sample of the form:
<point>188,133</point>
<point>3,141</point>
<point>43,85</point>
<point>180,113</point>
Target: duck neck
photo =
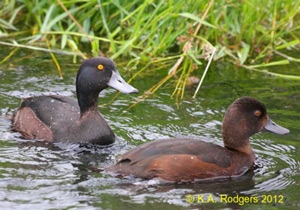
<point>234,139</point>
<point>243,146</point>
<point>247,149</point>
<point>88,102</point>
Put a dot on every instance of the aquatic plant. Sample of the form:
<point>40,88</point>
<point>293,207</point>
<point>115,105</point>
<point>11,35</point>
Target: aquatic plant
<point>184,36</point>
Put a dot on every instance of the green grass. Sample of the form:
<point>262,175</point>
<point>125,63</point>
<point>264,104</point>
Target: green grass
<point>179,34</point>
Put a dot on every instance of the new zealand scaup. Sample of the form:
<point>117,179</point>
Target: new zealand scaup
<point>64,119</point>
<point>179,159</point>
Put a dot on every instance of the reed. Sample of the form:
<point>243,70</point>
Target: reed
<point>184,34</point>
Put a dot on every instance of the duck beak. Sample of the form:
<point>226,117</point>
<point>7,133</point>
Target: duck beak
<point>117,82</point>
<point>274,128</point>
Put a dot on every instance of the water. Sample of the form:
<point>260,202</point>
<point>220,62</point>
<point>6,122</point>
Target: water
<point>35,175</point>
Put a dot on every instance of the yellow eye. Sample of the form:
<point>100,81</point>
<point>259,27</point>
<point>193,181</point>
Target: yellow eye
<point>257,113</point>
<point>100,67</point>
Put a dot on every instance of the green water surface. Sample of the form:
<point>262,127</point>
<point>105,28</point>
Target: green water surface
<point>35,175</point>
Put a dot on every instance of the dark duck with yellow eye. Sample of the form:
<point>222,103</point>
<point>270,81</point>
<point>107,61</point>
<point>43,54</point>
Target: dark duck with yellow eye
<point>57,118</point>
<point>189,159</point>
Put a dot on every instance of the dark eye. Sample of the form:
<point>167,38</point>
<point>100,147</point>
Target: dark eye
<point>257,113</point>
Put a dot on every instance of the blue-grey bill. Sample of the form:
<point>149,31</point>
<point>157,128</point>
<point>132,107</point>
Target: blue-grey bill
<point>274,128</point>
<point>117,82</point>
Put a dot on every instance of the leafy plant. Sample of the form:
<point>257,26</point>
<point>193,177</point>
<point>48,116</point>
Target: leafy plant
<point>184,34</point>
